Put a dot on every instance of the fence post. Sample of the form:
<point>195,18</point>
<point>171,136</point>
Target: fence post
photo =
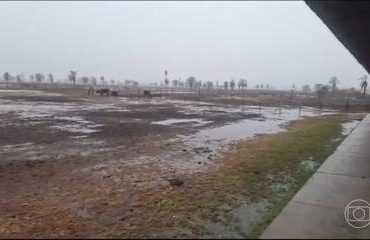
<point>347,105</point>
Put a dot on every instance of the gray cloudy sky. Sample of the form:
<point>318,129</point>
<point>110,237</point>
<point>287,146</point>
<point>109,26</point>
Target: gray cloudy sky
<point>279,43</point>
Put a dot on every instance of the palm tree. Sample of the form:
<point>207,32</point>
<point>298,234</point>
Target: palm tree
<point>232,84</point>
<point>93,81</point>
<point>39,77</point>
<point>128,82</point>
<point>72,77</point>
<point>242,83</point>
<point>198,84</point>
<point>191,81</point>
<point>292,92</point>
<point>181,83</point>
<point>175,82</point>
<point>306,88</point>
<point>7,78</point>
<point>19,78</point>
<point>363,83</point>
<point>209,84</point>
<point>102,79</point>
<point>321,90</point>
<point>333,81</point>
<point>51,78</point>
<point>85,80</point>
<point>165,78</point>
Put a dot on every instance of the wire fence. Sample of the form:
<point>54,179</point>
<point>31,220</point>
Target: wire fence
<point>259,97</point>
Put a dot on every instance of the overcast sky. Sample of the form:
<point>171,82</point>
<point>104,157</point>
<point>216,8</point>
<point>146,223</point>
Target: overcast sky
<point>279,43</point>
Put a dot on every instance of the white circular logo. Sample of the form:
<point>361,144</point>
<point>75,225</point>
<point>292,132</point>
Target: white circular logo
<point>357,213</point>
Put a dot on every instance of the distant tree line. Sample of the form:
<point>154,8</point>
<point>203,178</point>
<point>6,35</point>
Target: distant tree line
<point>72,78</point>
<point>191,82</point>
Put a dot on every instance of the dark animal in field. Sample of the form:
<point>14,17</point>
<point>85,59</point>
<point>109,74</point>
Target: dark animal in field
<point>114,93</point>
<point>103,91</point>
<point>148,94</point>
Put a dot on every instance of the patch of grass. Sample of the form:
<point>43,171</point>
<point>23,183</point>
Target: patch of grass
<point>279,157</point>
<point>267,168</point>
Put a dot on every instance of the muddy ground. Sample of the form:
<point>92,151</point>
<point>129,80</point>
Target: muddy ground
<point>75,166</point>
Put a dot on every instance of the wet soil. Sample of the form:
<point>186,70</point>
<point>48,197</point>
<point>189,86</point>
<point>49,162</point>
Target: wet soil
<point>74,166</point>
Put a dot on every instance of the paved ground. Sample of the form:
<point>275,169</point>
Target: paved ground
<point>318,209</point>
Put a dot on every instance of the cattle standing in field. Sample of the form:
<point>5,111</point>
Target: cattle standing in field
<point>114,93</point>
<point>147,94</point>
<point>103,91</point>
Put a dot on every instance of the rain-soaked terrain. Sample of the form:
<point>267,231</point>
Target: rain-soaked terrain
<point>68,152</point>
<point>182,134</point>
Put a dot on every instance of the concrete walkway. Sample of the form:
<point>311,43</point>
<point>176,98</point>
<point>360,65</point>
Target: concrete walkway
<point>317,210</point>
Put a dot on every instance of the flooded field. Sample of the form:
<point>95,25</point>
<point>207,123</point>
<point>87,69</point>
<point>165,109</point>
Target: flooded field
<point>185,135</point>
<point>73,153</point>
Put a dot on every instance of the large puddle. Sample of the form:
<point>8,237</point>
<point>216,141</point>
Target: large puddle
<point>349,127</point>
<point>61,114</point>
<point>193,121</point>
<point>196,151</point>
<point>244,217</point>
<point>271,120</point>
<point>204,146</point>
<point>27,92</point>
